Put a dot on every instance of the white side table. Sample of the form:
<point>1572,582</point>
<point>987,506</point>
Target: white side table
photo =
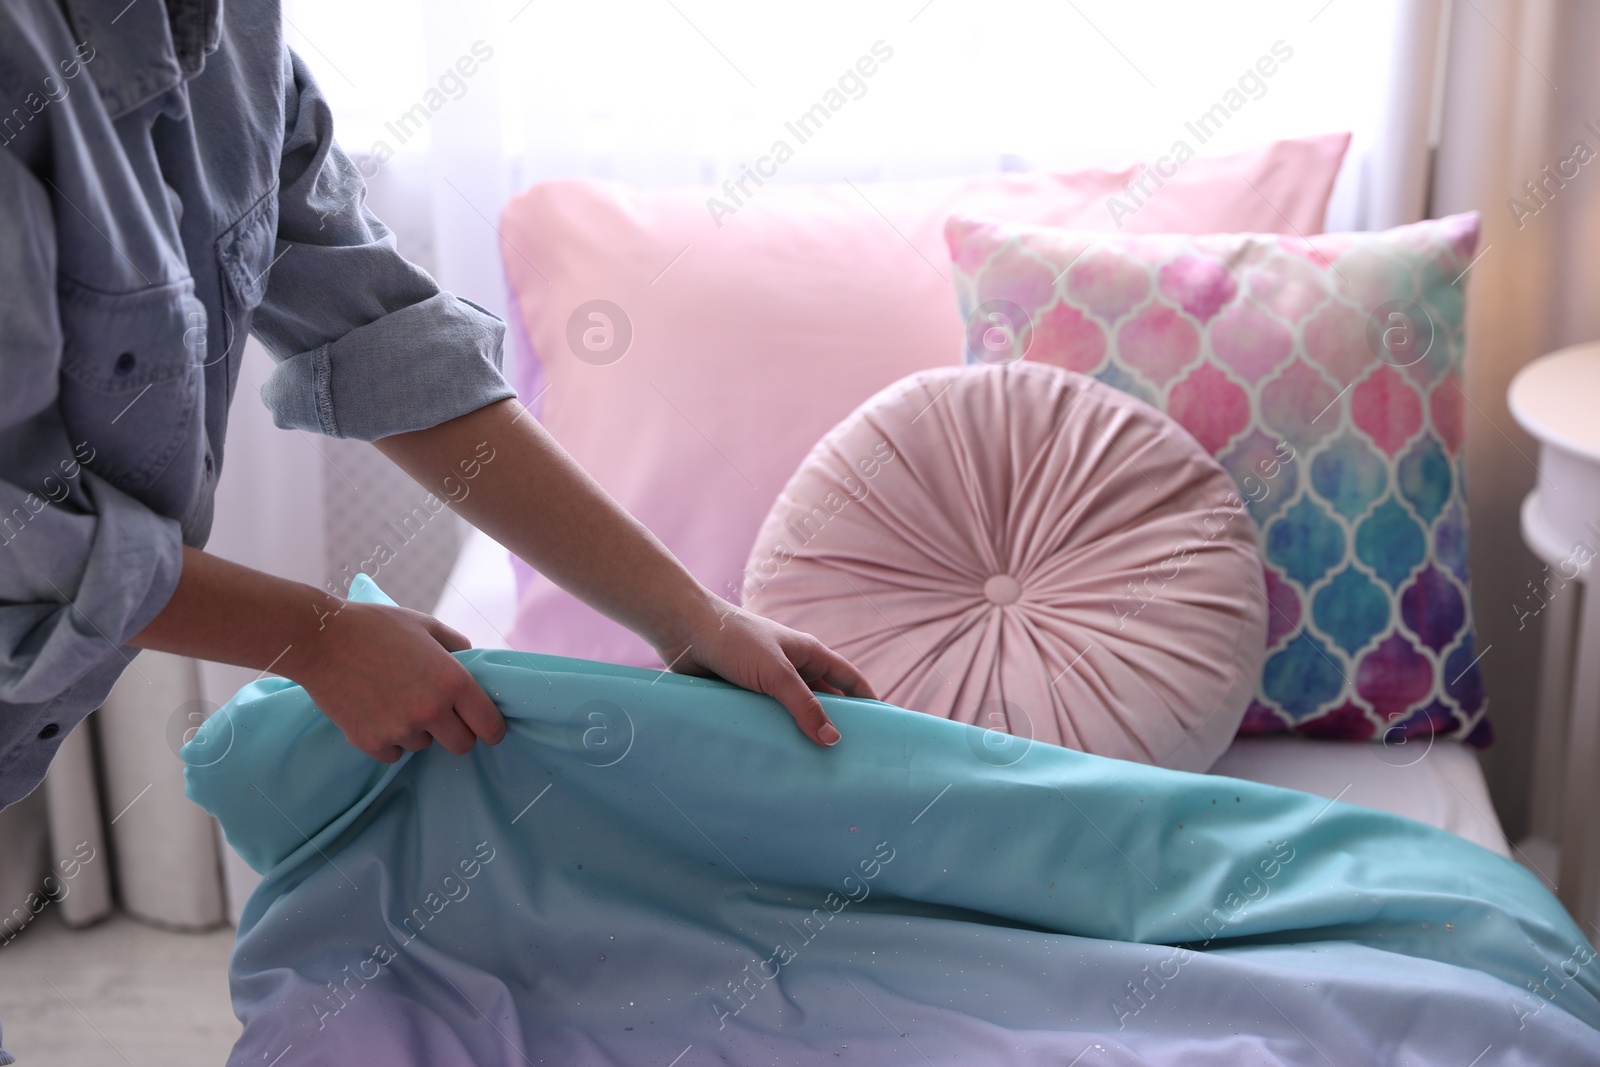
<point>1556,398</point>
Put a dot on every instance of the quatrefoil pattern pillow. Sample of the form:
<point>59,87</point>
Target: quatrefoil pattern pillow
<point>1325,375</point>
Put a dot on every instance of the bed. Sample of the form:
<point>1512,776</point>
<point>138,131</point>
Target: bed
<point>650,869</point>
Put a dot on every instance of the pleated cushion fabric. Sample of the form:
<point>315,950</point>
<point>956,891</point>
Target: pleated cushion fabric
<point>1028,550</point>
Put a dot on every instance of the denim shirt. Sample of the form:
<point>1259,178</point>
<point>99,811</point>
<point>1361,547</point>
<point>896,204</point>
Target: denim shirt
<point>170,184</point>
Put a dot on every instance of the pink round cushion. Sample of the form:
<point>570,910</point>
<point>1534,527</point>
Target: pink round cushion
<point>1029,550</point>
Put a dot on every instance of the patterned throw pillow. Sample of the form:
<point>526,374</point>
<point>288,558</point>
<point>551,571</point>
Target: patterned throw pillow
<point>1325,375</point>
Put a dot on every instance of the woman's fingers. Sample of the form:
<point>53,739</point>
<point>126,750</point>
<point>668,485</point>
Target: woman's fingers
<point>823,664</point>
<point>478,712</point>
<point>454,737</point>
<point>788,689</point>
<point>849,681</point>
<point>415,741</point>
<point>473,715</point>
<point>452,640</point>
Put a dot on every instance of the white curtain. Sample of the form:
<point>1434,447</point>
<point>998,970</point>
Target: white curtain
<point>1520,83</point>
<point>659,93</point>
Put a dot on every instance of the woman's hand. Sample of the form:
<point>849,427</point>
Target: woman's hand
<point>384,675</point>
<point>757,653</point>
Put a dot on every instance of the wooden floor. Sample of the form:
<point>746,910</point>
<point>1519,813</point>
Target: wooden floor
<point>119,994</point>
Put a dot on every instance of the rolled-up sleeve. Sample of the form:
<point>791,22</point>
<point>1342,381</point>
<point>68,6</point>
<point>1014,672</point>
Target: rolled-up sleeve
<point>83,566</point>
<point>367,344</point>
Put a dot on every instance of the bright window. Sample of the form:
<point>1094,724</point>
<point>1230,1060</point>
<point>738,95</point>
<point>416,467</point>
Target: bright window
<point>672,89</point>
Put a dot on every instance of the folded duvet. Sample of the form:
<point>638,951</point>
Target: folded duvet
<point>655,869</point>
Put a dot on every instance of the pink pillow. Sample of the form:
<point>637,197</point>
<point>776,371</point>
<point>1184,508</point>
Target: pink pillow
<point>1028,550</point>
<point>726,347</point>
<point>1326,377</point>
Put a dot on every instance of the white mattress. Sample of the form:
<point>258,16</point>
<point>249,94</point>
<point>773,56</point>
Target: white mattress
<point>1438,783</point>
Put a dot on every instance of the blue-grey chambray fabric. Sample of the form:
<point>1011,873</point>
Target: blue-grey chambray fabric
<point>170,183</point>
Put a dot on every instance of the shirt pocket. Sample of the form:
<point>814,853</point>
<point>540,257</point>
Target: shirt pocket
<point>130,387</point>
<point>244,257</point>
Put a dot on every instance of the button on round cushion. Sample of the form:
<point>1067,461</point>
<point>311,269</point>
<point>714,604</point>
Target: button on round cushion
<point>1031,551</point>
<point>1002,589</point>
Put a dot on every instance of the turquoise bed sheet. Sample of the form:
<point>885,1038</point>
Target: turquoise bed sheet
<point>656,869</point>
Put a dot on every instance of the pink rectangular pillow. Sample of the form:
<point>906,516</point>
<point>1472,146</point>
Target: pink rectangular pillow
<point>691,357</point>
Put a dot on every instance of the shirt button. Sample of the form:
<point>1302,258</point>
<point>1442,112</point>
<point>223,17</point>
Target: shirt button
<point>125,363</point>
<point>49,731</point>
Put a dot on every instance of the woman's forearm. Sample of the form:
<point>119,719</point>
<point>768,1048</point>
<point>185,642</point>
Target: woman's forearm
<point>227,613</point>
<point>500,470</point>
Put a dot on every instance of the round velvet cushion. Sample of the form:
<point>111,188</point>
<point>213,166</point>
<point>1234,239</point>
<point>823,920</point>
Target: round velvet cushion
<point>1028,550</point>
